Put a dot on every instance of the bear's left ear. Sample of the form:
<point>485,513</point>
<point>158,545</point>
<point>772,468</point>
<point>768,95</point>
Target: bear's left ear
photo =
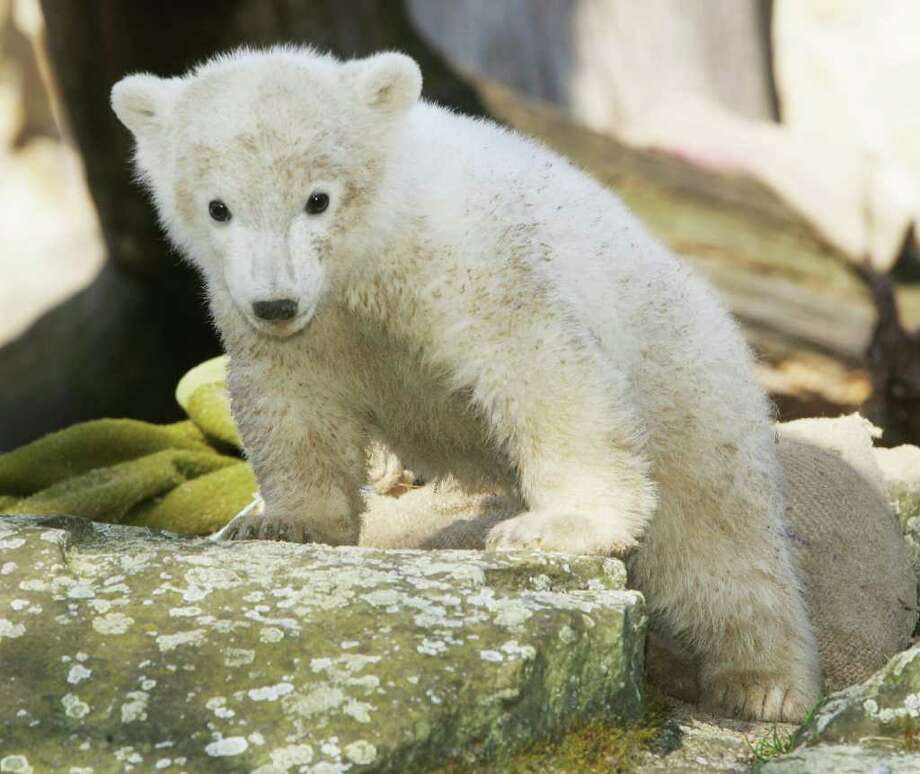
<point>389,82</point>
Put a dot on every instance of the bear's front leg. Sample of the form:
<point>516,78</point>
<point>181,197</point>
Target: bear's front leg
<point>309,462</point>
<point>577,450</point>
<point>603,510</point>
<point>259,522</point>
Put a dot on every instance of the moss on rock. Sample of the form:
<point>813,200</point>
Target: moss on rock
<point>882,713</point>
<point>122,647</point>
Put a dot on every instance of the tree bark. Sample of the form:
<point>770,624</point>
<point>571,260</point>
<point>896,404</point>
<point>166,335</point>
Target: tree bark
<point>119,347</point>
<point>893,358</point>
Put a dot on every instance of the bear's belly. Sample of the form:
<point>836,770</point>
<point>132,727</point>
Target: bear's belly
<point>434,438</point>
<point>433,429</point>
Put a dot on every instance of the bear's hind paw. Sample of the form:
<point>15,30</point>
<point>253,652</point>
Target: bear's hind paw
<point>755,697</point>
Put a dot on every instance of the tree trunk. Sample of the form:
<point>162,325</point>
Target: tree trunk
<point>118,347</point>
<point>893,357</point>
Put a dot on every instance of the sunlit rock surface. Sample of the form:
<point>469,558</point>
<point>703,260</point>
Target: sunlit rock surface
<point>882,713</point>
<point>121,648</point>
<point>842,759</point>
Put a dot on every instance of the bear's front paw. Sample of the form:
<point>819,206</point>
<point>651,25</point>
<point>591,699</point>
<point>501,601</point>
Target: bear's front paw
<point>755,696</point>
<point>256,526</point>
<point>569,533</point>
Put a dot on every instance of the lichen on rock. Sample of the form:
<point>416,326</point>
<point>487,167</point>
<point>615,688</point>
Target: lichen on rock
<point>123,647</point>
<point>883,713</point>
<point>842,759</point>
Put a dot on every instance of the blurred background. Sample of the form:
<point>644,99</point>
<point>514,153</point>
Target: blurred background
<point>774,144</point>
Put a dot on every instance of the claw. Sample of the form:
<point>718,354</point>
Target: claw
<point>227,533</point>
<point>756,698</point>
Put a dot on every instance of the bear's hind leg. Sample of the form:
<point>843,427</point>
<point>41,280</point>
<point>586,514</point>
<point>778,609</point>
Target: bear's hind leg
<point>716,570</point>
<point>762,663</point>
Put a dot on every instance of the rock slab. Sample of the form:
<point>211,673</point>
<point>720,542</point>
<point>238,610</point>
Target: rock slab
<point>880,716</point>
<point>126,648</point>
<point>842,759</point>
<point>873,726</point>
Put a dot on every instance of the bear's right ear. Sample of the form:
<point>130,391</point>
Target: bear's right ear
<point>143,103</point>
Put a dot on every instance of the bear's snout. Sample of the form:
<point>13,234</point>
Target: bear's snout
<point>275,311</point>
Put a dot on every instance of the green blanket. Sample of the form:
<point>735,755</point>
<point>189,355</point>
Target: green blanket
<point>186,477</point>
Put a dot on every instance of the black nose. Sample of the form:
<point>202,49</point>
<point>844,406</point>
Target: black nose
<point>282,309</point>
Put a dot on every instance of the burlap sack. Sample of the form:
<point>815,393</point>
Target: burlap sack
<point>855,564</point>
<point>439,515</point>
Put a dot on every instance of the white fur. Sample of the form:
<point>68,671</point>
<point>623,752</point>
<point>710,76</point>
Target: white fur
<point>484,309</point>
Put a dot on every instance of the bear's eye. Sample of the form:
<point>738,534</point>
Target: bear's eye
<point>219,211</point>
<point>317,203</point>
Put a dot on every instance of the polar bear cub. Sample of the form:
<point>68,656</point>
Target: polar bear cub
<point>382,269</point>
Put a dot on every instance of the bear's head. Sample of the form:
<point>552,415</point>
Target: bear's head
<point>262,164</point>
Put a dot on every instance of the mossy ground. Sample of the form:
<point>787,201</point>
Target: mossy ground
<point>595,748</point>
<point>609,747</point>
<point>602,746</point>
